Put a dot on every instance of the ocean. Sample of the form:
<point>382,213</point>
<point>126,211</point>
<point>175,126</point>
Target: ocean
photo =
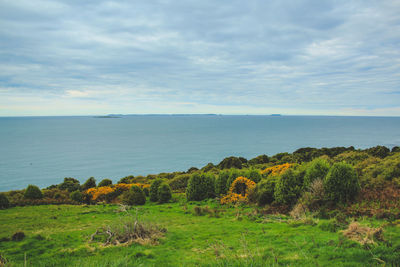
<point>44,150</point>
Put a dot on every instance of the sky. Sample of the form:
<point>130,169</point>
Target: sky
<point>293,57</point>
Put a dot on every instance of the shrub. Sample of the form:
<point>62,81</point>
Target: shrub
<point>135,196</point>
<point>154,189</point>
<point>4,202</point>
<point>18,236</point>
<point>288,187</point>
<point>232,162</point>
<point>69,184</point>
<point>259,160</point>
<point>105,182</point>
<point>126,180</point>
<point>395,149</point>
<point>253,175</point>
<point>146,191</point>
<point>233,174</point>
<point>90,183</point>
<point>341,184</point>
<point>318,169</point>
<point>239,191</point>
<point>76,196</point>
<point>33,192</point>
<point>378,151</point>
<point>164,193</point>
<point>200,187</point>
<point>265,191</point>
<point>221,183</point>
<point>179,183</point>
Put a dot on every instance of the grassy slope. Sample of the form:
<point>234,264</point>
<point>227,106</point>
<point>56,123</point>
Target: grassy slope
<point>190,240</point>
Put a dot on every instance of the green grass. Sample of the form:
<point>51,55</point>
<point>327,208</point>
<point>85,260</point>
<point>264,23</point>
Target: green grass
<point>58,236</point>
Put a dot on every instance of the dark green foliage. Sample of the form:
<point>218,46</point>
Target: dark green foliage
<point>33,192</point>
<point>232,162</point>
<point>192,169</point>
<point>200,186</point>
<point>134,196</point>
<point>378,151</point>
<point>221,183</point>
<point>262,159</point>
<point>395,149</point>
<point>4,202</point>
<point>90,183</point>
<point>264,192</point>
<point>69,184</point>
<point>164,193</point>
<point>306,154</point>
<point>233,174</point>
<point>341,184</point>
<point>105,182</point>
<point>126,180</point>
<point>318,169</point>
<point>208,167</point>
<point>154,189</point>
<point>179,183</point>
<point>253,175</point>
<point>146,191</point>
<point>288,187</point>
<point>76,196</point>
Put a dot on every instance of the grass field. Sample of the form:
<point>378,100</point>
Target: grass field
<point>236,236</point>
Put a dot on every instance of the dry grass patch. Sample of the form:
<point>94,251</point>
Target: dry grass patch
<point>363,234</point>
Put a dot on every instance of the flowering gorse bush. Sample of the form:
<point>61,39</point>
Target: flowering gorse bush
<point>99,193</point>
<point>276,170</point>
<point>239,191</point>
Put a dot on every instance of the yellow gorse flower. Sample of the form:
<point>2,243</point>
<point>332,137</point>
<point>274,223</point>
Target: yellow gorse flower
<point>97,192</point>
<point>277,169</point>
<point>234,197</point>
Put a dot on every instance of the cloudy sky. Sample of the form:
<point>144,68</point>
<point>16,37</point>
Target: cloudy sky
<point>78,57</point>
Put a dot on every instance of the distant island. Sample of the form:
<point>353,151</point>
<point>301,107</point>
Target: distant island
<point>276,115</point>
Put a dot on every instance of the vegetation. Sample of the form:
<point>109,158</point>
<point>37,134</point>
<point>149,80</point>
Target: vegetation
<point>319,207</point>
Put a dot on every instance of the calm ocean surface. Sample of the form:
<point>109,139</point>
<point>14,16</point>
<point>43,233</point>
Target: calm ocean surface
<point>44,150</point>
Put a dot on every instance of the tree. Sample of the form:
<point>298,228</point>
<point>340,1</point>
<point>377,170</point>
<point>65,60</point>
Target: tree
<point>33,192</point>
<point>105,182</point>
<point>200,187</point>
<point>221,183</point>
<point>288,187</point>
<point>134,196</point>
<point>318,169</point>
<point>154,189</point>
<point>90,183</point>
<point>341,184</point>
<point>164,193</point>
<point>69,184</point>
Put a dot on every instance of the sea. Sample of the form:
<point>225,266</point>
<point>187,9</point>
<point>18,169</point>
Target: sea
<point>44,150</point>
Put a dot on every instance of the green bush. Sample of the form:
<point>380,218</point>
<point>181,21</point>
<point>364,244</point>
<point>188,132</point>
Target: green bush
<point>33,192</point>
<point>146,191</point>
<point>233,174</point>
<point>232,162</point>
<point>126,180</point>
<point>134,196</point>
<point>200,187</point>
<point>179,183</point>
<point>341,184</point>
<point>90,183</point>
<point>4,202</point>
<point>288,187</point>
<point>221,183</point>
<point>253,175</point>
<point>262,159</point>
<point>318,169</point>
<point>154,189</point>
<point>164,193</point>
<point>69,184</point>
<point>265,191</point>
<point>76,196</point>
<point>378,151</point>
<point>105,182</point>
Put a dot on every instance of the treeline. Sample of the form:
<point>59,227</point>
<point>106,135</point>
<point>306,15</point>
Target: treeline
<point>314,179</point>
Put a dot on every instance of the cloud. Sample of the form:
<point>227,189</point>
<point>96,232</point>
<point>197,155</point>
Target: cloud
<point>298,57</point>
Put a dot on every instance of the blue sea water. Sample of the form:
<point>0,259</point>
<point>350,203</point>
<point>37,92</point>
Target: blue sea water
<point>44,150</point>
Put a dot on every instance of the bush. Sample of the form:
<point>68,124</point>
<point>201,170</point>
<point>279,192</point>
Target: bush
<point>154,189</point>
<point>233,174</point>
<point>341,184</point>
<point>33,192</point>
<point>262,159</point>
<point>134,196</point>
<point>221,183</point>
<point>395,149</point>
<point>126,180</point>
<point>200,187</point>
<point>265,191</point>
<point>4,202</point>
<point>146,191</point>
<point>232,162</point>
<point>90,183</point>
<point>69,184</point>
<point>18,236</point>
<point>164,193</point>
<point>76,196</point>
<point>253,175</point>
<point>318,169</point>
<point>288,187</point>
<point>105,182</point>
<point>378,151</point>
<point>179,183</point>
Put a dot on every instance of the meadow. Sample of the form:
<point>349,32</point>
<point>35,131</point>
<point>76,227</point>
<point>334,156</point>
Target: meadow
<point>314,207</point>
